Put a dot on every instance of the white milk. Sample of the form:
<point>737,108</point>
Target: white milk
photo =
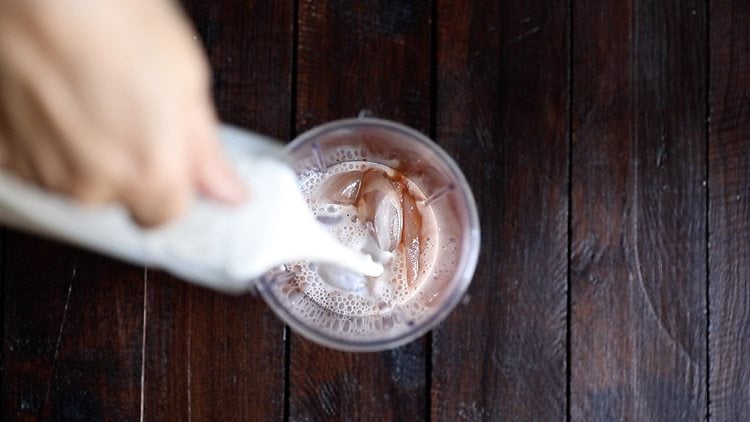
<point>217,246</point>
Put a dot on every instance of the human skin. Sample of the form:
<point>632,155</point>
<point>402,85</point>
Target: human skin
<point>109,101</point>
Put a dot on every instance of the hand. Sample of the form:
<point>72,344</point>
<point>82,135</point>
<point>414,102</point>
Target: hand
<point>109,101</point>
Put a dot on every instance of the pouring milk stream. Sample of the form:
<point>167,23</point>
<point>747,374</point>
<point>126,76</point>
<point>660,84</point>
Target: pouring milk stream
<point>220,247</point>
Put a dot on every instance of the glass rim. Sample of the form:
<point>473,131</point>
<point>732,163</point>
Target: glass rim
<point>462,279</point>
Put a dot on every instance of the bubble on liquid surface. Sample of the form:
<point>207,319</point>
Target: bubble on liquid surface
<point>329,220</point>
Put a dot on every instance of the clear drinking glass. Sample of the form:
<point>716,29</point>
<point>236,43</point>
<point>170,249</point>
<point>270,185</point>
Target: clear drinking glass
<point>443,186</point>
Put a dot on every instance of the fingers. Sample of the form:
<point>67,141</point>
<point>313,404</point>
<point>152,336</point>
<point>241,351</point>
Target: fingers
<point>104,113</point>
<point>161,190</point>
<point>212,173</point>
<point>172,177</point>
<point>158,206</point>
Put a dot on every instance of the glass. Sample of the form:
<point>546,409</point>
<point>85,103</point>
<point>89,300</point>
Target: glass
<point>456,241</point>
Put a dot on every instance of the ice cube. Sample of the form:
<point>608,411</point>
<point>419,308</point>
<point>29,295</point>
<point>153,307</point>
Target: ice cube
<point>341,278</point>
<point>373,183</point>
<point>381,204</point>
<point>341,188</point>
<point>411,240</point>
<point>388,222</point>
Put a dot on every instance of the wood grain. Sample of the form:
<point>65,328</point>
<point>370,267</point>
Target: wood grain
<point>502,113</point>
<point>72,333</point>
<point>363,55</point>
<point>211,356</point>
<point>651,198</point>
<point>353,56</point>
<point>729,210</point>
<point>638,266</point>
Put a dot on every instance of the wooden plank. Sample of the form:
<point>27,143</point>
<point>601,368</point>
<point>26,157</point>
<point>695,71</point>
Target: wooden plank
<point>211,356</point>
<point>363,56</point>
<point>351,56</point>
<point>638,257</point>
<point>729,212</point>
<point>72,333</point>
<point>502,113</point>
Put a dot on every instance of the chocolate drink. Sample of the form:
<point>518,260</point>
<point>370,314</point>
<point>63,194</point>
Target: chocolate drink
<point>377,210</point>
<point>388,191</point>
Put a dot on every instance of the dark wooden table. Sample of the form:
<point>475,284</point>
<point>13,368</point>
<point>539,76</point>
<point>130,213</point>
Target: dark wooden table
<point>608,146</point>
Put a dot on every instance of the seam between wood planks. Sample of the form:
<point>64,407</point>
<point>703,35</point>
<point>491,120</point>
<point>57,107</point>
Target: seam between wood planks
<point>143,343</point>
<point>60,334</point>
<point>568,275</point>
<point>707,192</point>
